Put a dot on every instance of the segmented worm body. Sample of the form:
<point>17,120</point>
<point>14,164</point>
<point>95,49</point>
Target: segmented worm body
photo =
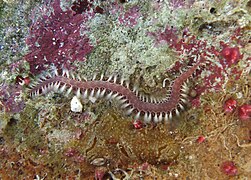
<point>142,106</point>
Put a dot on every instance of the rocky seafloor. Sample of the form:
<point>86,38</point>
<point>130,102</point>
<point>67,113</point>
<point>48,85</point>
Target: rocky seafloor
<point>146,42</point>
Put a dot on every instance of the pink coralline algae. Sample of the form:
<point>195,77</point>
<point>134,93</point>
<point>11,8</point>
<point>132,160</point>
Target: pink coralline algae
<point>10,100</point>
<point>219,62</point>
<point>58,39</point>
<point>81,6</point>
<point>229,168</point>
<point>130,17</point>
<point>245,112</point>
<point>168,36</point>
<point>175,4</point>
<point>74,155</point>
<point>231,55</point>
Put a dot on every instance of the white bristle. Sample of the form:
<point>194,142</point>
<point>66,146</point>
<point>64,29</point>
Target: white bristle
<point>44,90</point>
<point>37,93</point>
<point>85,94</point>
<point>108,96</point>
<point>166,117</point>
<point>56,71</point>
<point>160,117</point>
<point>62,89</point>
<point>72,75</point>
<point>98,93</point>
<point>110,77</point>
<point>150,117</point>
<point>114,95</point>
<point>101,77</point>
<point>53,85</point>
<point>78,93</point>
<point>137,92</point>
<point>49,86</point>
<point>127,84</point>
<point>177,112</point>
<point>125,105</point>
<point>170,115</point>
<point>56,86</point>
<point>146,117</point>
<point>129,111</point>
<point>102,93</point>
<point>115,79</point>
<point>92,93</point>
<point>183,89</point>
<point>181,106</point>
<point>68,91</point>
<point>122,81</point>
<point>84,78</point>
<point>42,78</point>
<point>183,100</point>
<point>122,101</point>
<point>141,97</point>
<point>183,95</point>
<point>119,97</point>
<point>137,116</point>
<point>135,88</point>
<point>78,77</point>
<point>94,76</point>
<point>49,74</point>
<point>155,118</point>
<point>66,72</point>
<point>164,82</point>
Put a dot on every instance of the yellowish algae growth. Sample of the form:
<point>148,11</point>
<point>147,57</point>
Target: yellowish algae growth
<point>114,138</point>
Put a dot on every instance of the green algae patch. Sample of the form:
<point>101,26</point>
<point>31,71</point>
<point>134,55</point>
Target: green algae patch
<point>24,133</point>
<point>114,140</point>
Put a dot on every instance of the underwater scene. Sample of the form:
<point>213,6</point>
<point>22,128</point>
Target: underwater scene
<point>125,89</point>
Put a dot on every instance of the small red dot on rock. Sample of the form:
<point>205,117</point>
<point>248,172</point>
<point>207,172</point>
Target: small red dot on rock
<point>201,139</point>
<point>137,124</point>
<point>230,105</point>
<point>27,80</point>
<point>229,168</point>
<point>70,152</point>
<point>244,112</point>
<point>231,55</point>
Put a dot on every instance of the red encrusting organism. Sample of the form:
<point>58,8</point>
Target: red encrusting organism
<point>130,18</point>
<point>219,63</point>
<point>229,168</point>
<point>137,124</point>
<point>58,39</point>
<point>201,139</point>
<point>231,55</point>
<point>81,6</point>
<point>230,105</point>
<point>11,99</point>
<point>244,112</point>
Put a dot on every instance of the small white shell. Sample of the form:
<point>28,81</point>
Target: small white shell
<point>76,105</point>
